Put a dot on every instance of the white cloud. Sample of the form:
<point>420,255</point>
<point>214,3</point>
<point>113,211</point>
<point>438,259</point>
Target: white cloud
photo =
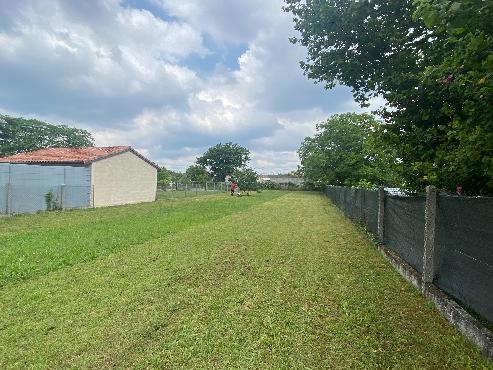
<point>274,162</point>
<point>130,56</point>
<point>225,21</point>
<point>127,75</point>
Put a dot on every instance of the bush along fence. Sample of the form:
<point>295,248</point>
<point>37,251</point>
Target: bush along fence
<point>443,244</point>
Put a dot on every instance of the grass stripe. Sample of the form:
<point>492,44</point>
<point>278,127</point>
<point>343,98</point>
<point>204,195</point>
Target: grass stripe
<point>33,245</point>
<point>283,284</point>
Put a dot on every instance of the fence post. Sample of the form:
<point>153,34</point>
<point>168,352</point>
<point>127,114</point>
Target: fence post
<point>8,204</point>
<point>381,213</point>
<point>62,195</point>
<point>429,239</point>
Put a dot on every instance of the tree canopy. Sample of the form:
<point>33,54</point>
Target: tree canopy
<point>346,151</point>
<point>431,61</point>
<point>247,179</point>
<point>165,177</point>
<point>464,72</point>
<point>222,160</point>
<point>19,135</point>
<point>196,173</point>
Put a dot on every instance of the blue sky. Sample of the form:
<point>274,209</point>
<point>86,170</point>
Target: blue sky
<point>171,78</point>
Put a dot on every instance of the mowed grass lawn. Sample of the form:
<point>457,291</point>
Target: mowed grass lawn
<point>271,281</point>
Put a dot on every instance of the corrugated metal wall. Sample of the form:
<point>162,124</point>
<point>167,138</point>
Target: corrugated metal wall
<point>23,187</point>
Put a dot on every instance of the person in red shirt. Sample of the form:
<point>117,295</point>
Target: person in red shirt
<point>233,186</point>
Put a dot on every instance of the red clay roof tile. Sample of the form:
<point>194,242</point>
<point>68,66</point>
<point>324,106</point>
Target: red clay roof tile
<point>66,155</point>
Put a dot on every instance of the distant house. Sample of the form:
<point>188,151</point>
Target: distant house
<point>282,179</point>
<point>78,178</point>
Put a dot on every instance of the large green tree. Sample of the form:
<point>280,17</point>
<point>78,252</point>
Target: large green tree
<point>374,47</point>
<point>247,179</point>
<point>166,177</point>
<point>163,177</point>
<point>196,173</point>
<point>19,135</point>
<point>464,74</point>
<point>346,151</point>
<point>222,160</point>
<point>436,119</point>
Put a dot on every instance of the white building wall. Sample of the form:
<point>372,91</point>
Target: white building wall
<point>122,179</point>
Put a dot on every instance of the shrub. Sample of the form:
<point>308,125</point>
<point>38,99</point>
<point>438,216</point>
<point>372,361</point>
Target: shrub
<point>51,201</point>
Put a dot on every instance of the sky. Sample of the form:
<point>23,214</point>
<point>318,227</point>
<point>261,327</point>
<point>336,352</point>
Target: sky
<point>171,78</point>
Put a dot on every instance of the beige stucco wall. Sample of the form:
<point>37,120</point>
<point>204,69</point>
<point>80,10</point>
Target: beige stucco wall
<point>122,179</point>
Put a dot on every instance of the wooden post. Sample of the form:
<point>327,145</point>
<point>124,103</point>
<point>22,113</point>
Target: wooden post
<point>429,239</point>
<point>381,213</point>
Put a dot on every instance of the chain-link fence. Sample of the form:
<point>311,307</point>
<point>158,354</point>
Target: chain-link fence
<point>180,190</point>
<point>459,232</point>
<point>16,199</point>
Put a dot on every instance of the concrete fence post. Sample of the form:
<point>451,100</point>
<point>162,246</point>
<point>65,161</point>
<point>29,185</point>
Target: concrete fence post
<point>429,238</point>
<point>381,213</point>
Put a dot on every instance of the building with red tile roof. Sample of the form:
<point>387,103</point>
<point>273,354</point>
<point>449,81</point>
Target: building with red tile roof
<point>79,177</point>
<point>81,156</point>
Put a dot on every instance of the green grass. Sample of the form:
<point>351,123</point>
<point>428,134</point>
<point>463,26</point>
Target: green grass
<point>174,194</point>
<point>33,245</point>
<point>272,281</point>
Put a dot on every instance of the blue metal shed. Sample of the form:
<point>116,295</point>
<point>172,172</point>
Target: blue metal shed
<point>24,187</point>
